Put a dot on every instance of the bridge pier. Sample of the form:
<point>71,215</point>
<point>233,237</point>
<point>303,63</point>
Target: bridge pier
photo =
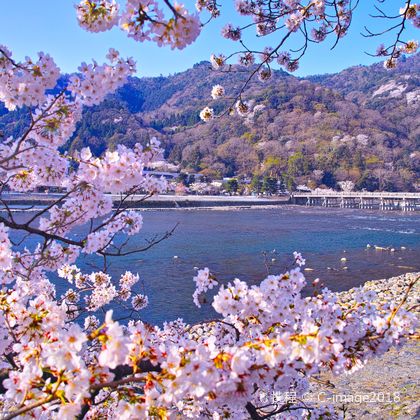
<point>408,205</point>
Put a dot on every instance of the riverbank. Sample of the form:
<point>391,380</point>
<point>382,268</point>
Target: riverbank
<point>390,382</point>
<point>164,201</point>
<point>31,201</point>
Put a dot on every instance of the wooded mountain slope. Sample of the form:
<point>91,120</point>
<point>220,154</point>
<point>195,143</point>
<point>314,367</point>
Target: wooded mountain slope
<point>360,124</point>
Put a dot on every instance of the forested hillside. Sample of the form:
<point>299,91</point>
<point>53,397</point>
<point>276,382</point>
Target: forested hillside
<point>361,124</point>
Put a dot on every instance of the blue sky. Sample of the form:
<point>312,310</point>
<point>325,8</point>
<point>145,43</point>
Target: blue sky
<point>28,26</point>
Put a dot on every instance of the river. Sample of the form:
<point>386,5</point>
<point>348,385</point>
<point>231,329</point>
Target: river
<point>232,244</point>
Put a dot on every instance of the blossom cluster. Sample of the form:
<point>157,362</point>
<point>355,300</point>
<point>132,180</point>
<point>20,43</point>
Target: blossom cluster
<point>97,15</point>
<point>412,13</point>
<point>269,338</point>
<point>245,109</point>
<point>98,289</point>
<point>95,81</point>
<point>207,114</point>
<point>128,222</point>
<point>35,319</point>
<point>34,160</point>
<point>143,20</point>
<point>299,260</point>
<point>203,282</point>
<point>55,121</point>
<point>25,83</point>
<point>210,5</point>
<point>5,248</point>
<point>217,91</point>
<point>269,18</point>
<point>120,170</point>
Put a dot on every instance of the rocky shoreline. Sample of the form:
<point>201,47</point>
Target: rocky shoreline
<point>389,290</point>
<point>389,383</point>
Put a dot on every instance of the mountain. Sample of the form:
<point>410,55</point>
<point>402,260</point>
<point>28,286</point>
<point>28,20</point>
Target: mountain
<point>359,124</point>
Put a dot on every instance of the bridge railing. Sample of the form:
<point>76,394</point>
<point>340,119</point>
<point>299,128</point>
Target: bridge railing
<point>358,194</point>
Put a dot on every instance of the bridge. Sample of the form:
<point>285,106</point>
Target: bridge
<point>402,201</point>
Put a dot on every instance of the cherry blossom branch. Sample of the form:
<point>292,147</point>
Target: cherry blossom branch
<point>36,404</point>
<point>393,50</point>
<point>151,244</point>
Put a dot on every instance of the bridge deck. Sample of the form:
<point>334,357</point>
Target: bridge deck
<point>404,201</point>
<point>388,195</point>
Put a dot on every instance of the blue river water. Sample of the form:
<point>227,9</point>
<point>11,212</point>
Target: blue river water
<point>232,244</point>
